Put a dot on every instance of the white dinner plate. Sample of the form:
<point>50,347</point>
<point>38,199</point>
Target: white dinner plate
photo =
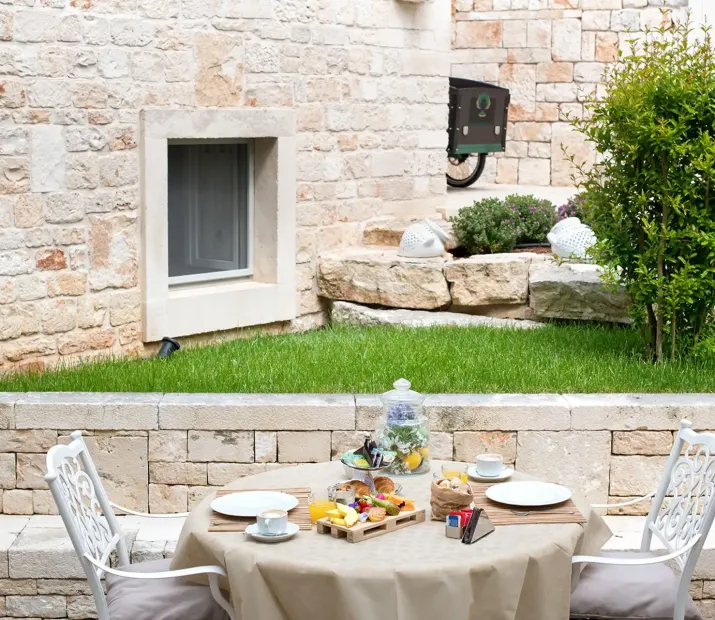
<point>528,493</point>
<point>291,530</point>
<point>250,503</point>
<point>504,475</point>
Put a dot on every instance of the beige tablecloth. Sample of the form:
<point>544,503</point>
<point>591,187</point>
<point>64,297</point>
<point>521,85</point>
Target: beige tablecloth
<point>519,572</point>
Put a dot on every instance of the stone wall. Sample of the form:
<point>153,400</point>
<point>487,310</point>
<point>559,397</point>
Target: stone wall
<point>165,452</point>
<point>551,54</point>
<point>367,81</point>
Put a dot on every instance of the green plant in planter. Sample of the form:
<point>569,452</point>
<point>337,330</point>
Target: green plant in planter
<point>650,198</point>
<point>487,227</point>
<point>534,217</point>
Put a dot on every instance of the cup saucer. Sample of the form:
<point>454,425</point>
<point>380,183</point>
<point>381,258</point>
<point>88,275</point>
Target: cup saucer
<point>504,475</point>
<point>291,530</point>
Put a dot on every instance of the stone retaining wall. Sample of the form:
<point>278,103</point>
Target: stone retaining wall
<point>163,452</point>
<point>508,286</point>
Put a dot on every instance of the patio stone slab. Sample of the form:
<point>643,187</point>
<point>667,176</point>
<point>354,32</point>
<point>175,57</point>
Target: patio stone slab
<point>498,412</point>
<point>618,412</point>
<point>87,410</point>
<point>345,312</point>
<point>296,412</point>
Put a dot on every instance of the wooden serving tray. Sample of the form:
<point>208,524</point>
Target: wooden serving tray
<point>364,531</point>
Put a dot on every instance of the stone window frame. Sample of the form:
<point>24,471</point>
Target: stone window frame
<point>268,295</point>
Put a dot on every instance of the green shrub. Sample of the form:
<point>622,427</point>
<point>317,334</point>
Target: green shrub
<point>488,226</point>
<point>534,217</point>
<point>650,196</point>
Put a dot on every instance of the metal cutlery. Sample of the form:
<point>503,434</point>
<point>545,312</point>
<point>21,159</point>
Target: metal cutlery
<point>519,513</point>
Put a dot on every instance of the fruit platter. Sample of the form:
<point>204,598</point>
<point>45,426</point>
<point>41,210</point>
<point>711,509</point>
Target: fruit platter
<point>371,514</point>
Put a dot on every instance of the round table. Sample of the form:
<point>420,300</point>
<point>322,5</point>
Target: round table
<point>519,572</point>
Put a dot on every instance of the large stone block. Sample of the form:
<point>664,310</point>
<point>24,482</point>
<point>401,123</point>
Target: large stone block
<point>178,473</point>
<point>165,499</point>
<point>302,447</point>
<point>53,606</point>
<point>27,440</point>
<point>574,291</point>
<point>31,469</point>
<point>625,412</point>
<point>489,279</point>
<point>468,445</point>
<point>47,171</point>
<point>381,277</point>
<point>221,446</point>
<point>113,251</point>
<point>87,410</point>
<point>223,473</point>
<point>579,460</point>
<point>219,70</point>
<point>170,446</point>
<point>636,475</point>
<point>7,471</point>
<point>649,443</point>
<point>123,467</point>
<point>257,412</point>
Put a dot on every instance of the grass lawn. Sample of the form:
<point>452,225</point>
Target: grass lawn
<point>367,360</point>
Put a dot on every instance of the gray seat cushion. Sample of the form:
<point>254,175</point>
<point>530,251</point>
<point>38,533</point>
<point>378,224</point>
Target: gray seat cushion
<point>612,592</point>
<point>159,599</point>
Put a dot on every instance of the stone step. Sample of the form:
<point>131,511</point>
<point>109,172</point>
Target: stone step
<point>347,313</point>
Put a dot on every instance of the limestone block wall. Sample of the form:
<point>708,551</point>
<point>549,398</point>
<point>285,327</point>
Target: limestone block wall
<point>366,78</point>
<point>165,452</point>
<point>551,54</point>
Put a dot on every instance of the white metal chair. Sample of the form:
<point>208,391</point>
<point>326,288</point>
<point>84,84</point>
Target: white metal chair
<point>680,517</point>
<point>95,533</point>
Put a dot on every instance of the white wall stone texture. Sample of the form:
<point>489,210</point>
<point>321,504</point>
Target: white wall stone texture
<point>551,54</point>
<point>367,81</point>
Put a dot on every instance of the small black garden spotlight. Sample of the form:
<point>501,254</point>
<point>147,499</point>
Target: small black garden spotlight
<point>168,346</point>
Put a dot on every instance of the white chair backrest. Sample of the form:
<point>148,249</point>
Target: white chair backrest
<point>684,506</point>
<point>86,512</point>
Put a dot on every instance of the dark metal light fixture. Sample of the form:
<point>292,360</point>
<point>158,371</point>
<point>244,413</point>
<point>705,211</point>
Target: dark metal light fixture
<point>168,346</point>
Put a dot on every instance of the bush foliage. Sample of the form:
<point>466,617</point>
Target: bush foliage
<point>494,225</point>
<point>650,197</point>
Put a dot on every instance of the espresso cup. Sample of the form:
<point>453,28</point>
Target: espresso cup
<point>490,465</point>
<point>272,522</point>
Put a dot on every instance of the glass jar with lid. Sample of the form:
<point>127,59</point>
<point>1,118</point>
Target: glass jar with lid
<point>403,429</point>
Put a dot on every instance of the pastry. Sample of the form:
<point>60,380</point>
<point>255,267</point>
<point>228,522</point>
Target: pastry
<point>384,485</point>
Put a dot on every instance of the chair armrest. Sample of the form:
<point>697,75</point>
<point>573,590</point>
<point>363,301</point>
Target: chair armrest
<point>597,559</point>
<point>185,572</point>
<point>172,515</point>
<point>630,503</point>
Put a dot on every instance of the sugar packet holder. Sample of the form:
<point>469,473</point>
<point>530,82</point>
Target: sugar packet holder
<point>468,525</point>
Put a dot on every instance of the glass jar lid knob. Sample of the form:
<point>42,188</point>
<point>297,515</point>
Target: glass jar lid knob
<point>402,385</point>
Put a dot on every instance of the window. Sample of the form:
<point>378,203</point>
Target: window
<point>210,198</point>
<point>218,219</point>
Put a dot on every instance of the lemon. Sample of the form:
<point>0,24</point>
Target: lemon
<point>424,452</point>
<point>360,462</point>
<point>413,461</point>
